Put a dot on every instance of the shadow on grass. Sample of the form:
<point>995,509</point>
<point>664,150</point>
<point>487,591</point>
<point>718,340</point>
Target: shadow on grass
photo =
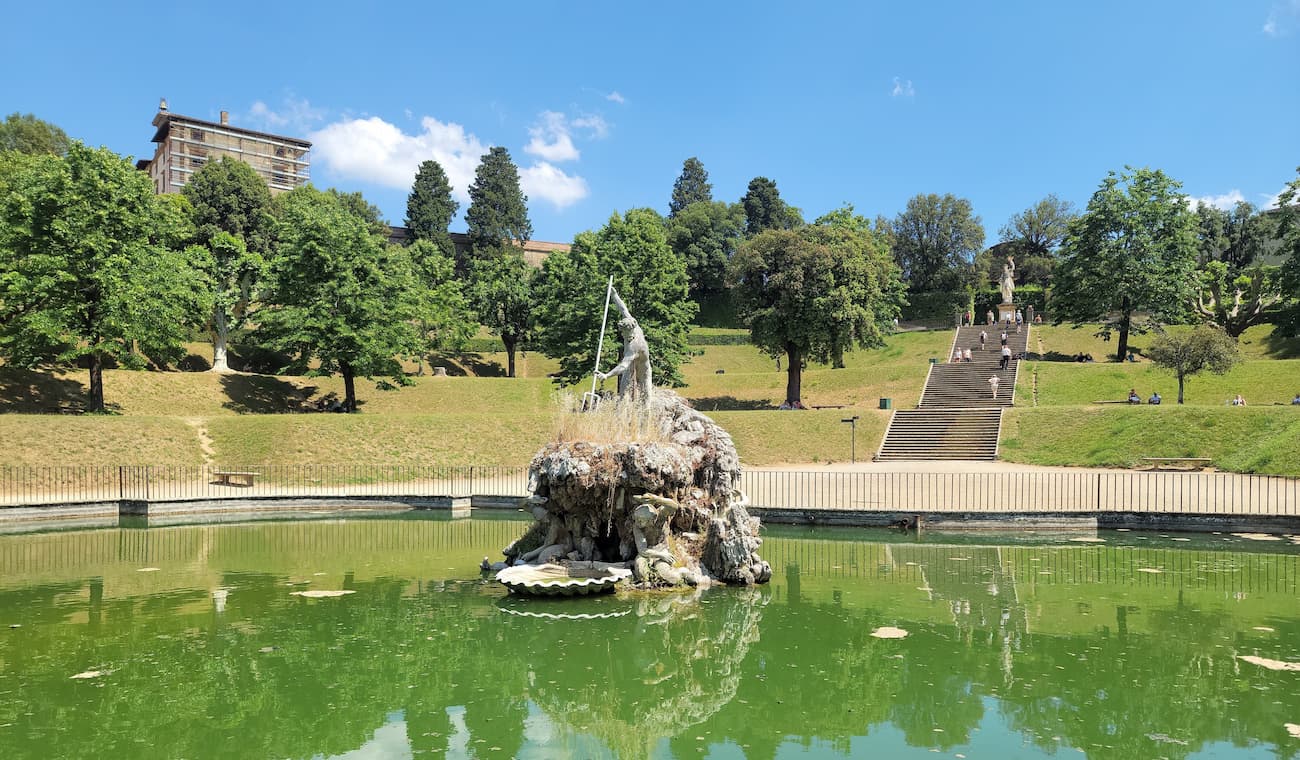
<point>466,365</point>
<point>1279,347</point>
<point>729,404</point>
<point>31,391</point>
<point>262,394</point>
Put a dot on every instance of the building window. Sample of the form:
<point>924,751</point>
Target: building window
<point>279,151</point>
<point>196,135</point>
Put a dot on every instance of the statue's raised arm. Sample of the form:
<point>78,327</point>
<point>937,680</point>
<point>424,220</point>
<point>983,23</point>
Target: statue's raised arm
<point>633,369</point>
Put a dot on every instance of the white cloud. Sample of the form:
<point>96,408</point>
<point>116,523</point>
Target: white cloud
<point>551,140</point>
<point>294,114</point>
<point>1275,200</point>
<point>1224,202</point>
<point>616,97</point>
<point>1282,18</point>
<point>547,182</point>
<point>372,150</point>
<point>598,126</point>
<point>903,88</point>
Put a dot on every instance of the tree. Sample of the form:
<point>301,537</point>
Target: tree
<point>692,186</point>
<point>430,207</point>
<point>935,240</point>
<point>502,294</point>
<point>27,134</point>
<point>1133,249</point>
<point>1288,231</point>
<point>445,318</point>
<point>338,294</point>
<point>1189,354</point>
<point>90,267</point>
<point>232,222</point>
<point>705,235</point>
<point>1234,293</point>
<point>498,209</point>
<point>765,210</point>
<point>813,293</point>
<point>570,294</point>
<point>1041,228</point>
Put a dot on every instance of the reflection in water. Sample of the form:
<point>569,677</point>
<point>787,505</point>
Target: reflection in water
<point>1014,650</point>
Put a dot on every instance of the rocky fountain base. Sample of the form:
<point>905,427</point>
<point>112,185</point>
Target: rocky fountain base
<point>666,506</point>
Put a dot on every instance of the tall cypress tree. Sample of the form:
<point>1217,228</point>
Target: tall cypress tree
<point>430,207</point>
<point>691,187</point>
<point>498,209</point>
<point>765,210</point>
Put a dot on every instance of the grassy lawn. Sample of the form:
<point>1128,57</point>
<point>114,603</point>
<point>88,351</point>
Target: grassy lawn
<point>474,416</point>
<point>1260,440</point>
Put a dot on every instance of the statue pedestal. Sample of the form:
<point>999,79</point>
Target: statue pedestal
<point>1007,311</point>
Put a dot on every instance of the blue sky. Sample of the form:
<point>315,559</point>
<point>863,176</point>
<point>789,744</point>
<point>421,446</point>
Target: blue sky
<point>599,103</point>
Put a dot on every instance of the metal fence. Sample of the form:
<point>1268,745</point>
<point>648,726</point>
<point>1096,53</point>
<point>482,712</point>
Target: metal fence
<point>1047,491</point>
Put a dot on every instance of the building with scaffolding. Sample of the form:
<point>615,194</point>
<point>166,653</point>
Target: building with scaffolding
<point>185,144</point>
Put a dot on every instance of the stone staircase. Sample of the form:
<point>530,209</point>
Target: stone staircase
<point>958,417</point>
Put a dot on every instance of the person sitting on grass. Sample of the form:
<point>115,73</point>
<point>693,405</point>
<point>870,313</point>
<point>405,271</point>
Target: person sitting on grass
<point>1237,400</point>
<point>1296,401</point>
<point>1133,397</point>
<point>1155,398</point>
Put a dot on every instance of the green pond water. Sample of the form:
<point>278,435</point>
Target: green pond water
<point>191,643</point>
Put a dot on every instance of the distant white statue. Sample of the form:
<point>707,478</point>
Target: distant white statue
<point>1009,280</point>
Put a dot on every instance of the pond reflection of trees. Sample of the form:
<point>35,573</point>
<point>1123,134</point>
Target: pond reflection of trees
<point>1117,665</point>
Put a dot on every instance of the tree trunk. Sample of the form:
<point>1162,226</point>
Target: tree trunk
<point>96,383</point>
<point>349,387</point>
<point>510,341</point>
<point>1180,389</point>
<point>1126,317</point>
<point>837,358</point>
<point>793,374</point>
<point>220,338</point>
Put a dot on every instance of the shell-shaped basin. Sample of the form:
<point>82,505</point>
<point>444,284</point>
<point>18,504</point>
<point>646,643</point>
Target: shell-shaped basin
<point>558,580</point>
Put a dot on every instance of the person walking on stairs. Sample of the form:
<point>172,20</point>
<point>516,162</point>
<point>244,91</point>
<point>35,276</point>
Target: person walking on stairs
<point>993,383</point>
<point>1006,357</point>
<point>1004,338</point>
<point>983,337</point>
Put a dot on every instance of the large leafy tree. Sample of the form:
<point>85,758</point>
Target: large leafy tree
<point>27,134</point>
<point>1133,250</point>
<point>502,295</point>
<point>692,186</point>
<point>705,235</point>
<point>232,222</point>
<point>89,265</point>
<point>1032,236</point>
<point>498,209</point>
<point>1234,292</point>
<point>812,293</point>
<point>430,207</point>
<point>765,209</point>
<point>935,240</point>
<point>1191,353</point>
<point>1288,231</point>
<point>649,275</point>
<point>339,294</point>
<point>445,320</point>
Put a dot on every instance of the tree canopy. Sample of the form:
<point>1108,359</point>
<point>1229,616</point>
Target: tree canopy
<point>233,226</point>
<point>27,134</point>
<point>338,293</point>
<point>1288,230</point>
<point>1190,353</point>
<point>430,207</point>
<point>498,209</point>
<point>651,278</point>
<point>935,240</point>
<point>502,295</point>
<point>813,293</point>
<point>692,186</point>
<point>1041,228</point>
<point>705,235</point>
<point>90,266</point>
<point>765,210</point>
<point>1132,250</point>
<point>1234,292</point>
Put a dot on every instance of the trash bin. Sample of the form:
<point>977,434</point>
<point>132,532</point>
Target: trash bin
<point>933,360</point>
<point>886,403</point>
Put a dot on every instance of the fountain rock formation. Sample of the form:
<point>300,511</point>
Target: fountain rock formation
<point>670,509</point>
